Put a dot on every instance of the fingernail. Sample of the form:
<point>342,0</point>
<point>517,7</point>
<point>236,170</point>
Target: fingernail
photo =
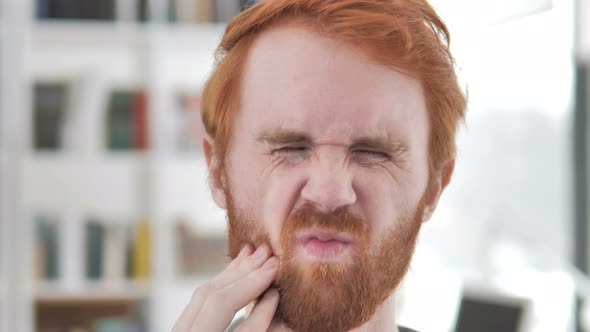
<point>245,249</point>
<point>272,292</point>
<point>270,264</point>
<point>259,252</point>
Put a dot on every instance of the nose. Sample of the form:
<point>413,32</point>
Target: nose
<point>329,185</point>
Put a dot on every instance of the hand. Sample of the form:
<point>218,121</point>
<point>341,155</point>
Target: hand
<point>213,305</point>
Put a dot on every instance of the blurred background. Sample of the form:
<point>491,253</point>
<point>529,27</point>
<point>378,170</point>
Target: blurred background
<point>106,223</point>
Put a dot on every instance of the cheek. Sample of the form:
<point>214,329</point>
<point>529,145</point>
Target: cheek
<point>385,197</point>
<point>279,193</point>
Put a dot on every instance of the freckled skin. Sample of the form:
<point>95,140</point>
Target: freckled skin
<point>332,94</point>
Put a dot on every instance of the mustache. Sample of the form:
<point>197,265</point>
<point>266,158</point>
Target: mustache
<point>340,220</point>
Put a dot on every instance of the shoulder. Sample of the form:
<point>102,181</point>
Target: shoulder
<point>405,329</point>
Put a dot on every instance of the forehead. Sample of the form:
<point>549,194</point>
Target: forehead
<point>296,79</point>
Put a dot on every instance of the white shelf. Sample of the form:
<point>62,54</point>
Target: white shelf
<point>109,186</point>
<point>85,181</point>
<point>106,34</point>
<point>124,291</point>
<point>112,186</point>
<point>119,52</point>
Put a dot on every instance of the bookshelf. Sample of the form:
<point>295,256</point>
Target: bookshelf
<point>71,178</point>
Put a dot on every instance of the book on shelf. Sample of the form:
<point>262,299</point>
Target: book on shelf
<point>50,102</point>
<point>114,253</point>
<point>47,247</point>
<point>205,11</point>
<point>143,10</point>
<point>95,233</point>
<point>119,127</point>
<point>141,265</point>
<point>127,120</point>
<point>140,120</point>
<point>76,9</point>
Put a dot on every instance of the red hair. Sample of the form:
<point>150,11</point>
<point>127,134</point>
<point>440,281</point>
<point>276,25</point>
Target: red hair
<point>404,35</point>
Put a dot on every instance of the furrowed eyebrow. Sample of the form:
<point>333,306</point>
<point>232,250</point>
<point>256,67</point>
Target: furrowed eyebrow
<point>280,136</point>
<point>380,144</point>
<point>283,137</point>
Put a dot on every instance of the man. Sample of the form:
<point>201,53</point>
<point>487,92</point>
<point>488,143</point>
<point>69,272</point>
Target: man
<point>331,136</point>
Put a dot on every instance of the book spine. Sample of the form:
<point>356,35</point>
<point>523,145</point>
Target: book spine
<point>50,101</point>
<point>42,9</point>
<point>140,120</point>
<point>47,234</point>
<point>94,250</point>
<point>204,10</point>
<point>142,10</point>
<point>142,251</point>
<point>114,254</point>
<point>119,122</point>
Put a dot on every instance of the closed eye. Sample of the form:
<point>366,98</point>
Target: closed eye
<point>290,149</point>
<point>371,155</point>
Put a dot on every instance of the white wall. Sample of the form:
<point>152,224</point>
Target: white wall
<point>583,30</point>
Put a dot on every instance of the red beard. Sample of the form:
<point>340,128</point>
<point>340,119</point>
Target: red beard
<point>332,296</point>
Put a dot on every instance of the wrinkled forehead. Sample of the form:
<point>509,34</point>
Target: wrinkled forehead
<point>296,79</point>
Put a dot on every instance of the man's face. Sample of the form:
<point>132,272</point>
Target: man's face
<point>328,163</point>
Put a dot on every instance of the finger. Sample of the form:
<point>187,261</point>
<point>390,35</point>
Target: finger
<point>189,314</point>
<point>262,314</point>
<point>186,319</point>
<point>221,305</point>
<point>243,267</point>
<point>244,253</point>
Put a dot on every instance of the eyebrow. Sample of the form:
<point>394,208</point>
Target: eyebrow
<point>386,144</point>
<point>282,136</point>
<point>381,144</point>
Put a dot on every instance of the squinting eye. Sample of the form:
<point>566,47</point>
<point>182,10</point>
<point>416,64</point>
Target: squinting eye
<point>292,154</point>
<point>370,155</point>
<point>291,149</point>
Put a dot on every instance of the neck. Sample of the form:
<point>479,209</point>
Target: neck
<point>382,320</point>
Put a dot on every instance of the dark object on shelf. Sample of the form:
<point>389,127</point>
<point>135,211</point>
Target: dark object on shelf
<point>49,108</point>
<point>491,313</point>
<point>90,315</point>
<point>127,121</point>
<point>47,251</point>
<point>119,127</point>
<point>94,250</point>
<point>76,9</point>
<point>142,10</point>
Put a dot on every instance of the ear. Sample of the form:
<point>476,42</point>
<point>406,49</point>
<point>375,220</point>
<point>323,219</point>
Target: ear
<point>214,167</point>
<point>441,180</point>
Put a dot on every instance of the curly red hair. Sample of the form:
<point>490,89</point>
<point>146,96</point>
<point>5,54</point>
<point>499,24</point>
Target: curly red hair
<point>405,35</point>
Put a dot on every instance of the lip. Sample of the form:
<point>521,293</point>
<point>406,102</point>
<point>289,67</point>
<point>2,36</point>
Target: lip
<point>305,237</point>
<point>324,246</point>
